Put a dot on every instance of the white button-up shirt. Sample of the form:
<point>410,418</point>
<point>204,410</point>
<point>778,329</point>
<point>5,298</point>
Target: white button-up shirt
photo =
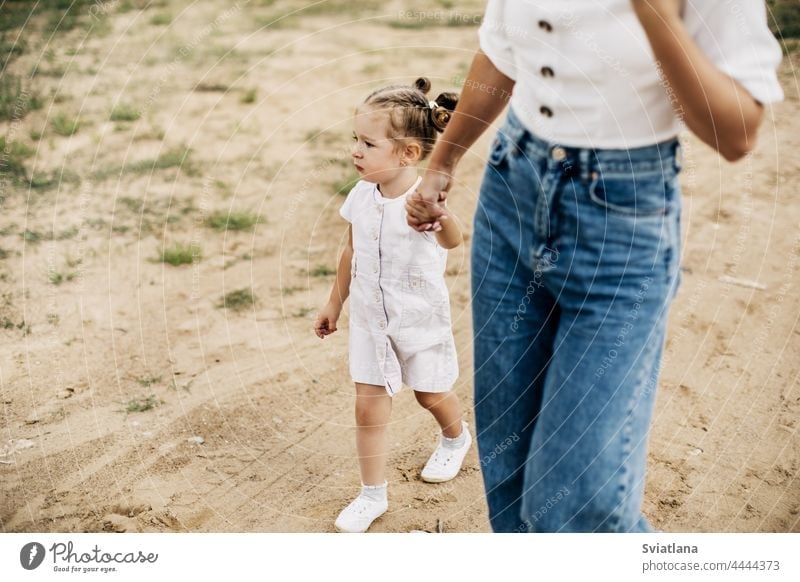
<point>586,75</point>
<point>400,327</point>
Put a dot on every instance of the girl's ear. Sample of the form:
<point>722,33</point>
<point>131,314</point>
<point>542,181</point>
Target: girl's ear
<point>412,152</point>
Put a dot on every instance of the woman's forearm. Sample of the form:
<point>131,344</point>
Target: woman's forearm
<point>712,104</point>
<point>486,92</point>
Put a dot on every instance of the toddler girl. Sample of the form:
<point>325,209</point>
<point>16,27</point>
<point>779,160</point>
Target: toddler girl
<point>400,332</point>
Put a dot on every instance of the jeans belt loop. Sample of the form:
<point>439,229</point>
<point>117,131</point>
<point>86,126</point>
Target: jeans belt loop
<point>583,162</point>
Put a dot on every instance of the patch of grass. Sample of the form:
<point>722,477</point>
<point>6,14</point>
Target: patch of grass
<point>124,112</point>
<point>56,71</point>
<point>344,185</point>
<point>322,271</point>
<point>137,405</point>
<point>784,19</point>
<point>302,312</point>
<point>290,290</point>
<point>222,220</point>
<point>31,236</point>
<point>148,380</point>
<point>64,125</point>
<point>238,300</point>
<point>132,204</point>
<point>790,46</point>
<point>180,254</point>
<point>11,47</point>
<point>161,19</point>
<point>212,88</point>
<point>58,277</point>
<point>173,158</point>
<point>12,160</point>
<point>15,14</point>
<point>248,95</point>
<point>16,101</point>
<point>43,181</point>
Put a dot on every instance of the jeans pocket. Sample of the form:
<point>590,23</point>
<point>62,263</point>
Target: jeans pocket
<point>635,196</point>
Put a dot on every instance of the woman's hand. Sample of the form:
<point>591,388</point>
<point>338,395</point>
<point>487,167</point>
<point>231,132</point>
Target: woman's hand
<point>326,320</point>
<point>424,208</point>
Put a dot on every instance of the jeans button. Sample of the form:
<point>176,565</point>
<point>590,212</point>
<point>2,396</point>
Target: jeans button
<point>558,153</point>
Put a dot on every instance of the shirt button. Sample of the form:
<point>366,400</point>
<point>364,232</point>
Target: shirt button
<point>382,325</point>
<point>558,153</point>
<point>547,72</point>
<point>546,26</point>
<point>546,111</point>
<point>375,269</point>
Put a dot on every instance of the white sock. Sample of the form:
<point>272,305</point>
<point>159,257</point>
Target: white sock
<point>455,442</point>
<point>374,492</point>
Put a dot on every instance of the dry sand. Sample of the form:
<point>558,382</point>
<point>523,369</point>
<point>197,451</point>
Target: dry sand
<point>272,403</point>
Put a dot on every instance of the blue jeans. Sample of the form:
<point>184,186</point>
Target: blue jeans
<point>575,261</point>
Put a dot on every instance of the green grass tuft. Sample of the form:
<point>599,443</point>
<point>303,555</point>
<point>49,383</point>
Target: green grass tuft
<point>238,300</point>
<point>180,254</point>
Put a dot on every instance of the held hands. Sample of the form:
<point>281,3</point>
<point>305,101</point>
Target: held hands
<point>425,207</point>
<point>326,320</point>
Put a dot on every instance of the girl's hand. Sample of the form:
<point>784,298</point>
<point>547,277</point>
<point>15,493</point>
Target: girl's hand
<point>326,320</point>
<point>423,206</point>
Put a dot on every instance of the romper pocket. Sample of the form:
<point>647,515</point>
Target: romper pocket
<point>423,296</point>
<point>633,195</point>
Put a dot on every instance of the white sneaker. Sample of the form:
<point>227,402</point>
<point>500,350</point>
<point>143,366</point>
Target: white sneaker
<point>359,515</point>
<point>445,463</point>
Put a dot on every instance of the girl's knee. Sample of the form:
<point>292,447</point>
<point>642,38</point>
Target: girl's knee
<point>371,413</point>
<point>429,399</point>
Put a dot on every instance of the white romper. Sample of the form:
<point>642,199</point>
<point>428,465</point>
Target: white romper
<point>400,329</point>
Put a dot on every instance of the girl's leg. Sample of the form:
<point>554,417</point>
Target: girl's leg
<point>373,410</point>
<point>445,409</point>
<point>445,462</point>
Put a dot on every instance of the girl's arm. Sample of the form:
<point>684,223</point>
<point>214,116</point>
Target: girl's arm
<point>341,287</point>
<point>713,105</point>
<point>329,315</point>
<point>449,237</point>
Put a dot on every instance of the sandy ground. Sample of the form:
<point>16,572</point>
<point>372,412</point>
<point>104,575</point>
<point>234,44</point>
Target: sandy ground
<point>273,404</point>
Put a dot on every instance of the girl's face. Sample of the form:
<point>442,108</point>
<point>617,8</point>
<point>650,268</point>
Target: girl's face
<point>375,155</point>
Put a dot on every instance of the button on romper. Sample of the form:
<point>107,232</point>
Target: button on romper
<point>400,328</point>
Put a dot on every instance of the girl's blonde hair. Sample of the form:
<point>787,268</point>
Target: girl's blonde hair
<point>410,113</point>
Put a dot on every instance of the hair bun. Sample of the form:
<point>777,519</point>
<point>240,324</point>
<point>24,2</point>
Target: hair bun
<point>439,117</point>
<point>441,114</point>
<point>423,84</point>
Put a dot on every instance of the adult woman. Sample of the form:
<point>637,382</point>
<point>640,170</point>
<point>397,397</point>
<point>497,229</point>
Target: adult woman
<point>576,244</point>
